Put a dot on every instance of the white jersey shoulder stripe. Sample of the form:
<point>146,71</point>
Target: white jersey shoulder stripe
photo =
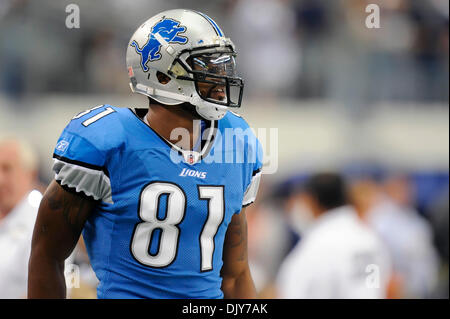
<point>252,189</point>
<point>91,182</point>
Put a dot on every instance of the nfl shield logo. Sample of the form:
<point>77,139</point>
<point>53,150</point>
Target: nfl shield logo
<point>191,158</point>
<point>130,72</point>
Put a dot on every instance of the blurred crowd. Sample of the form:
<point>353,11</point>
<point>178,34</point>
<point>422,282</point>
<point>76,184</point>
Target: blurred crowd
<point>287,48</point>
<point>413,231</point>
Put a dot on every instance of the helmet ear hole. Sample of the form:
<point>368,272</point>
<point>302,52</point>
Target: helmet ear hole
<point>162,78</point>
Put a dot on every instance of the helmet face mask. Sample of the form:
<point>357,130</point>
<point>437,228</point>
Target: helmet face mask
<point>191,50</point>
<point>214,75</point>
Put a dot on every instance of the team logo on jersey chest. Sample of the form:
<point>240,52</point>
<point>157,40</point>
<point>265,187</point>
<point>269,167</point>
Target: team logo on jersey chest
<point>192,173</point>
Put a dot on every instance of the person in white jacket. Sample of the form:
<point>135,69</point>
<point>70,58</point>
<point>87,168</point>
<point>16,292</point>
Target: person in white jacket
<point>19,203</point>
<point>338,256</point>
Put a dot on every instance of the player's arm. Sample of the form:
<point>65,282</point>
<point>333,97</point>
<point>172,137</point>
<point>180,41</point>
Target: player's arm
<point>237,281</point>
<point>61,217</point>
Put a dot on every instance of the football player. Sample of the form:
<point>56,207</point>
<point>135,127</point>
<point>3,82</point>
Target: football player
<point>162,217</point>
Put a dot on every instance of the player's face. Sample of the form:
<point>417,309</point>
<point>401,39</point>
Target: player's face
<point>215,92</point>
<point>218,64</point>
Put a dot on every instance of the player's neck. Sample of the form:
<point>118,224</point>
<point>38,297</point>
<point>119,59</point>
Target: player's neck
<point>164,121</point>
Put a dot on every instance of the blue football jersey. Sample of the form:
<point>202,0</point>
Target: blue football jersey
<point>159,226</point>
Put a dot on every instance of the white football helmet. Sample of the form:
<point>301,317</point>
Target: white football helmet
<point>198,62</point>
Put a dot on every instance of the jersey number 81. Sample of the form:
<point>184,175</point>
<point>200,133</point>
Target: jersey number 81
<point>170,232</point>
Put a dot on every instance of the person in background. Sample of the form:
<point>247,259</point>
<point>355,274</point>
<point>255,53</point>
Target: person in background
<point>386,205</point>
<point>19,202</point>
<point>338,256</point>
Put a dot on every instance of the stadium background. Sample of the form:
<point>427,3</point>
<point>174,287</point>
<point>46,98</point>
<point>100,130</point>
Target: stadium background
<point>369,103</point>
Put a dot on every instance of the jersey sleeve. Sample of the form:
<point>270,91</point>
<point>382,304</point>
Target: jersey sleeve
<point>79,162</point>
<point>253,186</point>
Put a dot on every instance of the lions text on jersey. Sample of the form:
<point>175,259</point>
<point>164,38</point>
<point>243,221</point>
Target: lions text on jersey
<point>159,227</point>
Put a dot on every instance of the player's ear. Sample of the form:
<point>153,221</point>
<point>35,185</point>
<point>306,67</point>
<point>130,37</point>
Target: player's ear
<point>162,78</point>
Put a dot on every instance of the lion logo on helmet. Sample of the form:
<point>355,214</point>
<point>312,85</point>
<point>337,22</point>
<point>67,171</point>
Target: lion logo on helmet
<point>168,29</point>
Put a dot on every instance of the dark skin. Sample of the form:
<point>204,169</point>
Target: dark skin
<point>237,281</point>
<point>163,120</point>
<point>58,227</point>
<point>62,215</point>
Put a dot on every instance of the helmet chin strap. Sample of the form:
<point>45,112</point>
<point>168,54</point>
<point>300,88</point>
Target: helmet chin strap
<point>209,114</point>
<point>207,110</point>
